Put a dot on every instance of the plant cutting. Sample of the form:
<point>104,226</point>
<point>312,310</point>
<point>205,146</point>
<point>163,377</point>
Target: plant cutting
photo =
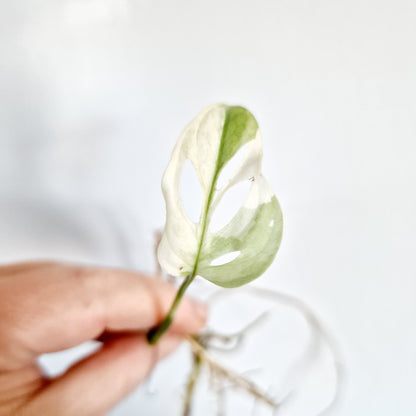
<point>187,249</point>
<point>249,241</point>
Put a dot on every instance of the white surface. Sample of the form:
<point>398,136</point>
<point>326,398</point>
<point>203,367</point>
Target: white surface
<point>93,95</point>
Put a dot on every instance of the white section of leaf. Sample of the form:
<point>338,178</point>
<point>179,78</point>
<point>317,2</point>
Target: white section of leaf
<point>199,142</point>
<point>261,194</point>
<point>190,191</point>
<point>232,166</point>
<point>250,167</point>
<point>229,205</point>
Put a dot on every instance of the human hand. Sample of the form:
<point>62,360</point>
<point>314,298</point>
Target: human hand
<point>47,307</point>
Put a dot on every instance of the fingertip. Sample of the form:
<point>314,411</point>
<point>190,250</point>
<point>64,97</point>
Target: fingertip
<point>201,312</point>
<point>191,317</point>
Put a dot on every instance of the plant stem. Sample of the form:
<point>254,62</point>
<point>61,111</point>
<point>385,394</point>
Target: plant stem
<point>155,333</point>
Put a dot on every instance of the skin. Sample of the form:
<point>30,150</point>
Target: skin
<point>48,307</point>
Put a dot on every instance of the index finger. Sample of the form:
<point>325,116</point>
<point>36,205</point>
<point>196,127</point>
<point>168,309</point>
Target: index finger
<point>50,308</point>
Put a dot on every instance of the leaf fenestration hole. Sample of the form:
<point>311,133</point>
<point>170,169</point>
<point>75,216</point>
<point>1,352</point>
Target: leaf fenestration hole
<point>229,205</point>
<point>231,166</point>
<point>190,192</point>
<point>225,258</point>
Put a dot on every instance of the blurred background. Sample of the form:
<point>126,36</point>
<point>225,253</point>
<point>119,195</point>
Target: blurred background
<point>93,95</point>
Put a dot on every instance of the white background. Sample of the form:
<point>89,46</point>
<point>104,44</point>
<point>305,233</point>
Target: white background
<point>94,93</point>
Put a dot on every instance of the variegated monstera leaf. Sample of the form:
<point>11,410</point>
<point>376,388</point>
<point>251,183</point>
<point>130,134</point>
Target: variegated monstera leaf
<point>210,141</point>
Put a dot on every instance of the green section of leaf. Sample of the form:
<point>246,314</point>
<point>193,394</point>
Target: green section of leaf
<point>240,127</point>
<point>258,240</point>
